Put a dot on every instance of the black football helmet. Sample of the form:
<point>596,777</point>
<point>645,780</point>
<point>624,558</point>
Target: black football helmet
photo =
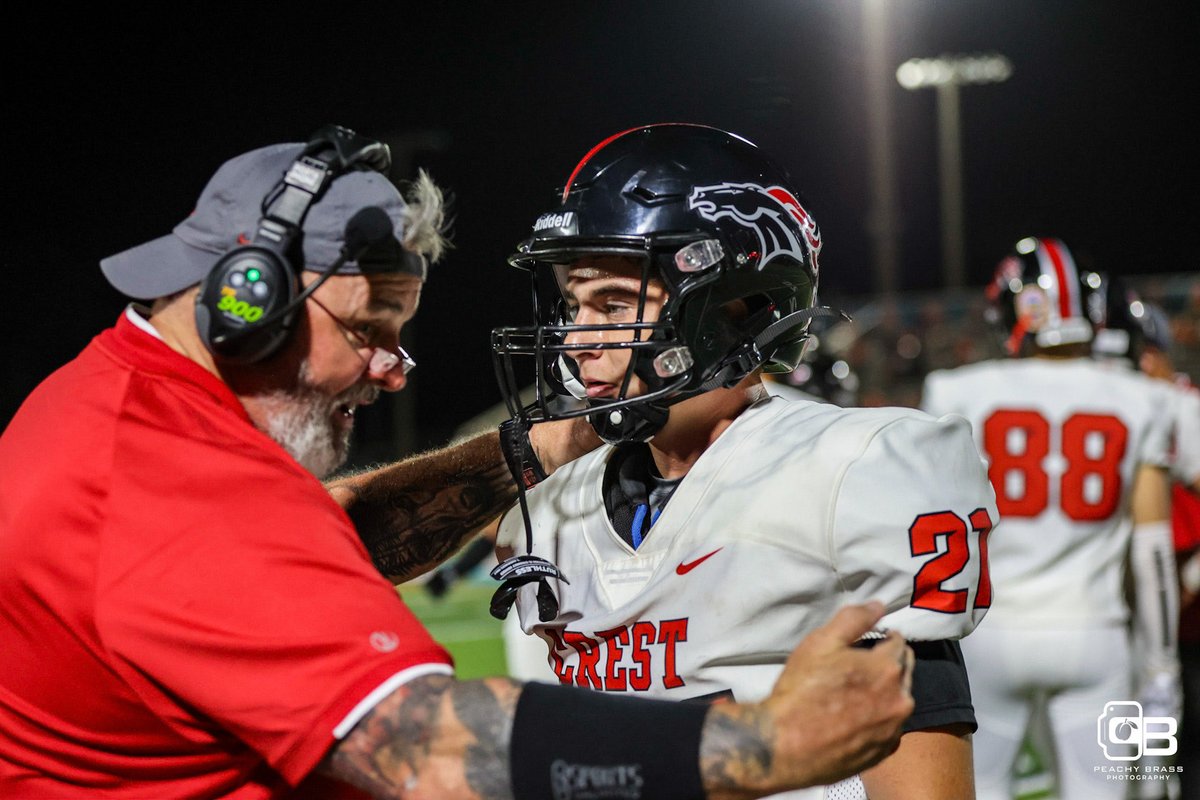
<point>1039,295</point>
<point>712,217</point>
<point>1115,312</point>
<point>1154,323</point>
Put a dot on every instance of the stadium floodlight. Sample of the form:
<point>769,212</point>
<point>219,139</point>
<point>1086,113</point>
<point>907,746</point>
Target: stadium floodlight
<point>946,74</point>
<point>921,73</point>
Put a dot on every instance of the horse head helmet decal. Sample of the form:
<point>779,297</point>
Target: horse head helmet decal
<point>782,225</point>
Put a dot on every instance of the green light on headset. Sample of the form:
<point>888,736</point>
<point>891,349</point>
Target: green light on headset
<point>252,275</point>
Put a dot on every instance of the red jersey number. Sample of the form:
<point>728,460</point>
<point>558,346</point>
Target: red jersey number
<point>1091,444</point>
<point>924,537</point>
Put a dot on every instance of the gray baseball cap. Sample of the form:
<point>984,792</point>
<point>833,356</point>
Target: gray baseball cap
<point>228,212</point>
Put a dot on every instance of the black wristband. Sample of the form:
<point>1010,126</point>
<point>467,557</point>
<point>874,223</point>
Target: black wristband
<point>580,744</point>
<point>522,461</point>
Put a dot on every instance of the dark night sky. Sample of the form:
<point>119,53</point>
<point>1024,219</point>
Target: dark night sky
<point>113,129</point>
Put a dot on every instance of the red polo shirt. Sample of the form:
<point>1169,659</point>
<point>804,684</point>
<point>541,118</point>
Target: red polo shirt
<point>184,611</point>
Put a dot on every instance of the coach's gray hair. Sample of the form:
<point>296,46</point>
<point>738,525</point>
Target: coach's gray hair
<point>425,218</point>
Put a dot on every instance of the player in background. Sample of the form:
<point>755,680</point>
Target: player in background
<point>1077,454</point>
<point>720,523</point>
<point>1138,333</point>
<point>1132,334</point>
<point>1154,359</point>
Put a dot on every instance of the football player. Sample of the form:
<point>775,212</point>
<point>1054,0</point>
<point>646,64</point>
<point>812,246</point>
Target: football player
<point>1153,358</point>
<point>1136,334</point>
<point>719,523</point>
<point>1076,452</point>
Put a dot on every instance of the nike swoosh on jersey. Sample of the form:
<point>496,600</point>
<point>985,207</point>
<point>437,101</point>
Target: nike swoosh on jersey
<point>687,566</point>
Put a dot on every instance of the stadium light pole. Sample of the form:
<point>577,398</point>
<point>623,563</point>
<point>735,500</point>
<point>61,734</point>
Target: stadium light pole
<point>946,74</point>
<point>883,216</point>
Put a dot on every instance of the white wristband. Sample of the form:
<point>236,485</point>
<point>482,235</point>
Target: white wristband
<point>1156,593</point>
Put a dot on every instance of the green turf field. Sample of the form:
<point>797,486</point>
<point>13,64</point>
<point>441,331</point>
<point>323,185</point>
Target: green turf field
<point>460,621</point>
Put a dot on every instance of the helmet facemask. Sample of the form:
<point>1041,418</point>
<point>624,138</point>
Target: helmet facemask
<point>660,370</point>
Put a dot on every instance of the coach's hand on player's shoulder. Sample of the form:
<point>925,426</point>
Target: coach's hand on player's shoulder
<point>835,710</point>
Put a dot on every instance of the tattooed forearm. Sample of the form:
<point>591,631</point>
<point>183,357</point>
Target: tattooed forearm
<point>433,737</point>
<point>414,514</point>
<point>480,710</point>
<point>735,750</point>
<point>388,747</point>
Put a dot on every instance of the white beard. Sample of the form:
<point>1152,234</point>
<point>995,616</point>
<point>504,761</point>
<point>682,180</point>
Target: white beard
<point>301,422</point>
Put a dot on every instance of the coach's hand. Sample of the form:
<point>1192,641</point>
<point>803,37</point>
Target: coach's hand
<point>835,710</point>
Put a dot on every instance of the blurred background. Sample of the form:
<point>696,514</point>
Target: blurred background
<point>1021,117</point>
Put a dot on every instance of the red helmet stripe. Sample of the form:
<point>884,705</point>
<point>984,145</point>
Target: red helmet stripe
<point>1067,281</point>
<point>586,158</point>
<point>610,140</point>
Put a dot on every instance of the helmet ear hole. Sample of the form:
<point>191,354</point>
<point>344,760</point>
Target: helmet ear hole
<point>755,304</point>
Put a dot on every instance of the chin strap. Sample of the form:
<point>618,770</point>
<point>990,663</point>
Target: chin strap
<point>634,423</point>
<point>515,572</point>
<point>522,460</point>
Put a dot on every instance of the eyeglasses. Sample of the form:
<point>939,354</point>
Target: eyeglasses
<point>382,361</point>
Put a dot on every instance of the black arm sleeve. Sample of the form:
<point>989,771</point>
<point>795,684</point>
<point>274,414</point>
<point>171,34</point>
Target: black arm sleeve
<point>940,687</point>
<point>578,743</point>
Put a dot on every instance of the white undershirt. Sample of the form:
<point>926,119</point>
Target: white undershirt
<point>139,315</point>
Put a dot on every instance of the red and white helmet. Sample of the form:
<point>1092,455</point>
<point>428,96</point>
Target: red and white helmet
<point>1039,294</point>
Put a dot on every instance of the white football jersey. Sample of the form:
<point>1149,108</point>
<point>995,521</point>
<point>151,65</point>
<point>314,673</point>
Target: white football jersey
<point>796,510</point>
<point>1185,442</point>
<point>1063,439</point>
<point>1183,411</point>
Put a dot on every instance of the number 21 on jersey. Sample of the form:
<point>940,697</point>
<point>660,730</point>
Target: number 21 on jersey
<point>925,537</point>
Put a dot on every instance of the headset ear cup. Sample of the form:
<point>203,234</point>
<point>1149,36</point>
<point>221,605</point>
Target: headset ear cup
<point>239,303</point>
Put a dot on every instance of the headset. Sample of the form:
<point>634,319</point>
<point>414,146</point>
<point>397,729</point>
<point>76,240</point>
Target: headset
<point>248,302</point>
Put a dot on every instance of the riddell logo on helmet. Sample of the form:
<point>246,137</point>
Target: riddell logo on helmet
<point>773,213</point>
<point>564,219</point>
